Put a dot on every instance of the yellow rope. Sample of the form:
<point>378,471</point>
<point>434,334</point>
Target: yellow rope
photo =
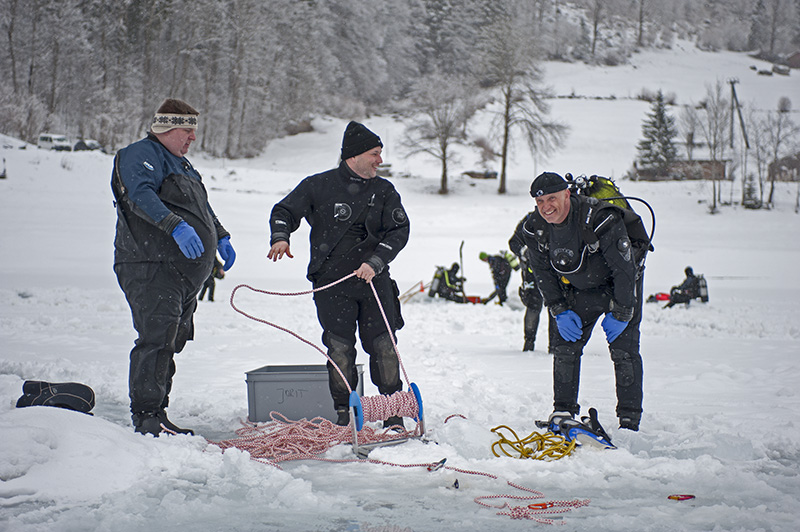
<point>538,446</point>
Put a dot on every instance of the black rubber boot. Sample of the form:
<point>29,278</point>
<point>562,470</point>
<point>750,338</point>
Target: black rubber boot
<point>629,423</point>
<point>151,423</point>
<point>394,421</point>
<point>147,423</point>
<point>528,344</point>
<point>162,416</point>
<point>343,418</point>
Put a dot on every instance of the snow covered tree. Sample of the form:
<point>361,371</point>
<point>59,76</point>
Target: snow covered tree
<point>444,104</point>
<point>510,66</point>
<point>758,38</point>
<point>714,128</point>
<point>782,133</point>
<point>657,150</point>
<point>445,44</point>
<point>640,22</point>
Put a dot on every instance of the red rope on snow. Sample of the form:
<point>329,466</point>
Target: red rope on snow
<point>282,439</point>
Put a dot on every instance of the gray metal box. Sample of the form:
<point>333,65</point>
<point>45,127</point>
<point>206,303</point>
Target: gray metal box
<point>295,391</point>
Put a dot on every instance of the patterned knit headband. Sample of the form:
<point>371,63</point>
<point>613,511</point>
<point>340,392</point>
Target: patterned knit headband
<point>163,122</point>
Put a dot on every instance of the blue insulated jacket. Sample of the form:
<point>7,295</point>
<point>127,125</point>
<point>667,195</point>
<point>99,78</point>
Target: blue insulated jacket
<point>154,192</point>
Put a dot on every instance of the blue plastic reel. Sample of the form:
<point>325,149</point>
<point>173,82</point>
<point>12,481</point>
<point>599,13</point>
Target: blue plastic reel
<point>355,403</point>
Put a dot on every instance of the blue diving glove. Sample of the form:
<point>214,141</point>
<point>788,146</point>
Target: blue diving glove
<point>613,327</point>
<point>570,326</point>
<point>188,241</point>
<point>226,252</point>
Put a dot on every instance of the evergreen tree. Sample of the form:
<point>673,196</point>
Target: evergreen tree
<point>657,150</point>
<point>758,39</point>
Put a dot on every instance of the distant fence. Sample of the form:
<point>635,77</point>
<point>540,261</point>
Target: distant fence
<point>685,170</point>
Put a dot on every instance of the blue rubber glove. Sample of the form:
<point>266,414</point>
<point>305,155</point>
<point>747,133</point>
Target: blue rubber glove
<point>570,326</point>
<point>226,252</point>
<point>188,241</point>
<point>613,327</point>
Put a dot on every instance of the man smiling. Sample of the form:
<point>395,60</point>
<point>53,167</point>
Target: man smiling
<point>579,283</point>
<point>358,224</point>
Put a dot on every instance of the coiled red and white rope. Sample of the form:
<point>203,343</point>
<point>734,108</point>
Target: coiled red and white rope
<point>282,440</point>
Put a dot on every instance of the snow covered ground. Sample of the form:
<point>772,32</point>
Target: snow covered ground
<point>721,394</point>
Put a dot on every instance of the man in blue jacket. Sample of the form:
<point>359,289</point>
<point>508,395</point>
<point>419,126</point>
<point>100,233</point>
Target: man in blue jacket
<point>358,224</point>
<point>166,242</point>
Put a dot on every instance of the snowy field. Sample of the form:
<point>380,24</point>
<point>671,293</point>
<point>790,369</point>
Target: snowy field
<point>721,393</point>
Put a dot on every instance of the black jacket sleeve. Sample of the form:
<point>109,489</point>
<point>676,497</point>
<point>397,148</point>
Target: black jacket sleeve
<point>289,212</point>
<point>517,241</point>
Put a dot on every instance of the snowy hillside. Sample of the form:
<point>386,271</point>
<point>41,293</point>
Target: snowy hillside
<point>721,393</point>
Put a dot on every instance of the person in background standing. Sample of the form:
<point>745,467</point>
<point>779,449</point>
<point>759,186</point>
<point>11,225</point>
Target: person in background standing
<point>528,292</point>
<point>500,266</point>
<point>216,273</point>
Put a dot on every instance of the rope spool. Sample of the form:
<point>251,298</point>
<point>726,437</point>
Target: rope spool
<point>380,407</point>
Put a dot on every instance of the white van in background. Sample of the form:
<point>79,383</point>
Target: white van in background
<point>54,141</point>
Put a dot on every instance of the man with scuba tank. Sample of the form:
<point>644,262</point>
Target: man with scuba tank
<point>585,267</point>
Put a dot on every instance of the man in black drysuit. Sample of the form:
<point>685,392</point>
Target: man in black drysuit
<point>166,241</point>
<point>211,283</point>
<point>500,266</point>
<point>528,292</point>
<point>580,285</point>
<point>358,224</point>
<point>448,285</point>
<point>686,291</point>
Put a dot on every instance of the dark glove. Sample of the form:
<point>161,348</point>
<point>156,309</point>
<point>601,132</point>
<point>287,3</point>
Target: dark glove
<point>188,241</point>
<point>570,326</point>
<point>613,327</point>
<point>226,252</point>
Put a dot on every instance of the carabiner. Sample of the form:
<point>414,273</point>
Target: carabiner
<point>541,505</point>
<point>437,465</point>
<point>681,497</point>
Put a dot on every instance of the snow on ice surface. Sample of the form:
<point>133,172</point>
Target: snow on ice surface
<point>720,379</point>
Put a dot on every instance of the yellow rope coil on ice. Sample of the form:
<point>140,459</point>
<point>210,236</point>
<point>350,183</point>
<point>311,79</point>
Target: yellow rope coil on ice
<point>537,446</point>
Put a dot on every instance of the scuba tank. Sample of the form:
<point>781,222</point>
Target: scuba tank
<point>702,288</point>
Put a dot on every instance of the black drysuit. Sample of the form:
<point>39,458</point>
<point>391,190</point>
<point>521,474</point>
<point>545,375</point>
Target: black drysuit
<point>528,292</point>
<point>353,221</point>
<point>571,277</point>
<point>501,274</point>
<point>684,292</point>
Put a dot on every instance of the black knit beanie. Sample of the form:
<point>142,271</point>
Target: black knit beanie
<point>358,139</point>
<point>547,183</point>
